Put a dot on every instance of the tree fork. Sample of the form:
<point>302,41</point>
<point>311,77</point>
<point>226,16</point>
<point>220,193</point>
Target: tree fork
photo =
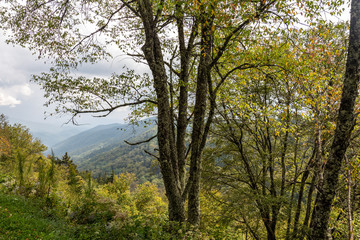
<point>154,57</point>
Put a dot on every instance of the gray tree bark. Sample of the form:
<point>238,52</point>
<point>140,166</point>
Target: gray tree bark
<point>344,127</point>
<point>198,134</point>
<point>348,202</point>
<point>154,57</point>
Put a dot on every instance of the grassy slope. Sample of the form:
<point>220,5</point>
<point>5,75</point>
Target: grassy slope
<point>23,219</point>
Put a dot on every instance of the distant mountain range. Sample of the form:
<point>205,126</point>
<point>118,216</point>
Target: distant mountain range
<point>102,149</point>
<point>48,133</point>
<point>50,138</point>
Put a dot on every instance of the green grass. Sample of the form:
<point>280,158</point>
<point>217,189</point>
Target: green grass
<point>22,218</point>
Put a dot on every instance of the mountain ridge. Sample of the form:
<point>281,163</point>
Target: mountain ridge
<point>103,150</point>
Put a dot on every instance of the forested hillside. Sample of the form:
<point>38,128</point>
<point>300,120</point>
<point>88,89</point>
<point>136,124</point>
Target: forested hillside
<point>106,149</point>
<point>99,137</point>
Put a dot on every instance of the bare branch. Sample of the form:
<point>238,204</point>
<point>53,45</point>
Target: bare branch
<point>127,4</point>
<point>167,22</point>
<point>159,11</point>
<point>136,55</point>
<point>65,10</point>
<point>172,69</point>
<point>141,142</point>
<point>112,108</point>
<point>152,154</point>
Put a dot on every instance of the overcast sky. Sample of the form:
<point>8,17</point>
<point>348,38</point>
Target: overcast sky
<point>22,101</point>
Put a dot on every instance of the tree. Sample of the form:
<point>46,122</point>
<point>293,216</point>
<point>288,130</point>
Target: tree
<point>5,147</point>
<point>20,153</point>
<point>271,130</point>
<point>182,42</point>
<point>345,124</point>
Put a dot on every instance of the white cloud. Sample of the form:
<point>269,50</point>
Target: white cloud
<point>24,90</point>
<point>9,96</point>
<point>7,100</point>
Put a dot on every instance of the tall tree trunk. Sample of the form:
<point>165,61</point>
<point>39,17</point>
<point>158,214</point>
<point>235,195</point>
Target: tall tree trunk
<point>204,76</point>
<point>348,202</point>
<point>182,122</point>
<point>304,177</point>
<point>291,201</point>
<point>287,235</point>
<point>183,104</point>
<point>344,127</point>
<point>167,158</point>
<point>270,230</point>
<point>309,201</point>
